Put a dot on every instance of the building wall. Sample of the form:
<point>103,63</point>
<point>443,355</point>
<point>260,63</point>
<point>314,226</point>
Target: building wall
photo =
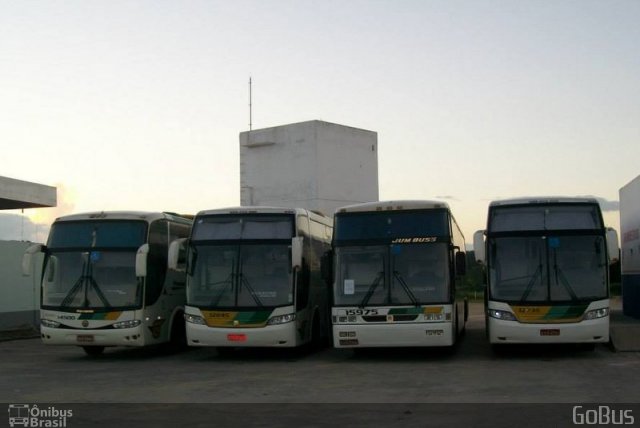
<point>315,165</point>
<point>19,295</point>
<point>630,251</point>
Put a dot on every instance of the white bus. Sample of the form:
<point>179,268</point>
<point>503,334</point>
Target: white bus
<point>253,278</point>
<point>105,280</point>
<point>396,268</point>
<point>547,271</point>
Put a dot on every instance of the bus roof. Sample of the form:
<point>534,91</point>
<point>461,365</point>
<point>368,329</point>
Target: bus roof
<point>123,215</point>
<point>542,200</point>
<point>267,210</point>
<point>393,205</point>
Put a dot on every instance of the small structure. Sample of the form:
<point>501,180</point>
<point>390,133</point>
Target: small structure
<point>19,307</point>
<point>315,165</point>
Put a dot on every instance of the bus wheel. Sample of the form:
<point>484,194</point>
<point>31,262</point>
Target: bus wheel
<point>93,350</point>
<point>178,339</point>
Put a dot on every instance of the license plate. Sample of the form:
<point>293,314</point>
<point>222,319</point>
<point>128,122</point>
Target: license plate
<point>550,332</point>
<point>85,338</point>
<point>236,337</point>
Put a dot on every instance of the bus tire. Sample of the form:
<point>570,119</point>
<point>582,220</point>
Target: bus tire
<point>93,351</point>
<point>316,335</point>
<point>178,333</point>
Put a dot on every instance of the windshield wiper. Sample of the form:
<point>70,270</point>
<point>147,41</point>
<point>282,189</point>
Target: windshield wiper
<point>406,288</point>
<point>85,282</point>
<point>532,281</point>
<point>372,289</point>
<point>563,280</point>
<point>245,281</point>
<point>218,297</point>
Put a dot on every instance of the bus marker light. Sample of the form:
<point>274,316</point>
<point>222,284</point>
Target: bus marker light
<point>237,337</point>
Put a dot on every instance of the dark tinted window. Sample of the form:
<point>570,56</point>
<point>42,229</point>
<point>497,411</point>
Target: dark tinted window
<point>91,233</point>
<point>391,225</point>
<point>545,217</point>
<point>243,227</point>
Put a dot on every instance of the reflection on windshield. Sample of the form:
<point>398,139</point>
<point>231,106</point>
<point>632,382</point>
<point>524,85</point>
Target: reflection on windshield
<point>91,280</point>
<point>408,274</point>
<point>535,269</point>
<point>424,269</point>
<point>229,276</point>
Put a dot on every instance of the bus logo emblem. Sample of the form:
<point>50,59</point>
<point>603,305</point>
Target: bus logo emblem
<point>85,323</point>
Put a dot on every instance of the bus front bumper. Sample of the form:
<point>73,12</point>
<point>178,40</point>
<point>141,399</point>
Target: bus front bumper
<point>279,335</point>
<point>392,335</point>
<point>591,331</point>
<point>113,337</point>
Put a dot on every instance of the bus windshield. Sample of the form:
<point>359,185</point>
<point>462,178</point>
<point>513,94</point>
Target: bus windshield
<point>91,265</point>
<point>240,275</point>
<point>91,280</point>
<point>407,274</point>
<point>548,269</point>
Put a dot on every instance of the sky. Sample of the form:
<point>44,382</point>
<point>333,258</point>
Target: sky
<point>139,104</point>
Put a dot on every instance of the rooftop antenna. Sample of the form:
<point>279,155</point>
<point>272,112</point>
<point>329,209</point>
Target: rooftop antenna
<point>250,104</point>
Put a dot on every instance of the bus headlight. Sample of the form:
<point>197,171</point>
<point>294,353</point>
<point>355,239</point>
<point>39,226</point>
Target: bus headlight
<point>49,323</point>
<point>596,313</point>
<point>501,315</point>
<point>281,319</point>
<point>194,319</point>
<point>127,324</point>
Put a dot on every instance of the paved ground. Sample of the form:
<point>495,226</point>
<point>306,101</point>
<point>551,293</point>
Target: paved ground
<point>31,372</point>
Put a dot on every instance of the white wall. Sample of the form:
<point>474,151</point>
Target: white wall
<point>630,226</point>
<point>19,295</point>
<point>315,165</point>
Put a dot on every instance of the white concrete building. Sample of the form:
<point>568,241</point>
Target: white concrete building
<point>316,165</point>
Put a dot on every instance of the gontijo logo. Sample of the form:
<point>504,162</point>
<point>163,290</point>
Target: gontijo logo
<point>27,415</point>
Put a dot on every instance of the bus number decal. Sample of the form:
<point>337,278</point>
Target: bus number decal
<point>362,312</point>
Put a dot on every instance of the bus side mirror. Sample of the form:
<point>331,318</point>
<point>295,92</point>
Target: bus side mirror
<point>176,249</point>
<point>27,258</point>
<point>612,245</point>
<point>141,260</point>
<point>326,267</point>
<point>478,246</point>
<point>461,263</point>
<point>296,252</point>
